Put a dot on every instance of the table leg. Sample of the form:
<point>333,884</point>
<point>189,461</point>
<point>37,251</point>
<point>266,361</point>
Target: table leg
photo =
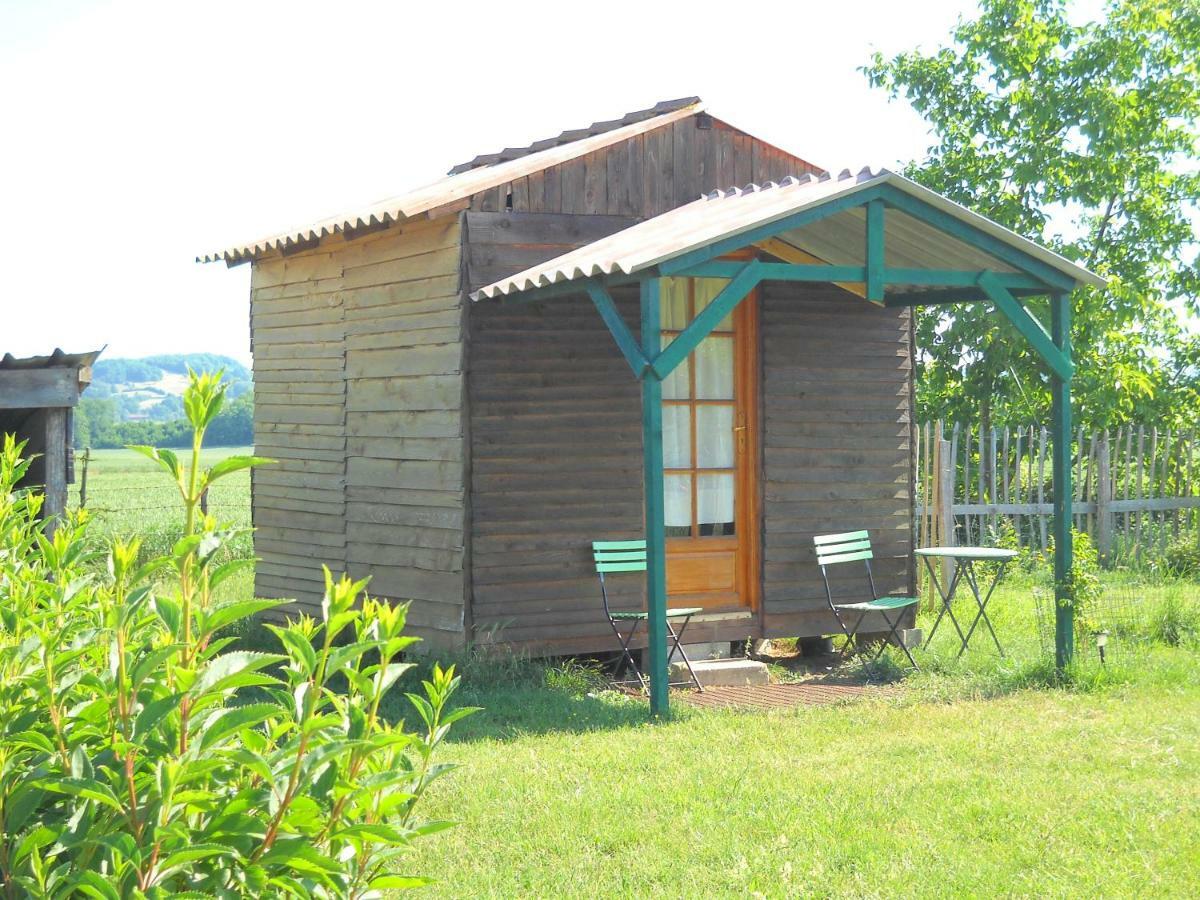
<point>982,603</point>
<point>946,596</point>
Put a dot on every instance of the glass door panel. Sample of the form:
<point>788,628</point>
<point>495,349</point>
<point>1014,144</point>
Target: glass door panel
<point>706,408</point>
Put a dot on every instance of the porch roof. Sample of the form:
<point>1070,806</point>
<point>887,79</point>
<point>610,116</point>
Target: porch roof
<point>834,235</point>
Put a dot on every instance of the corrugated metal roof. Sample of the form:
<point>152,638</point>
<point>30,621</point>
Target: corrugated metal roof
<point>451,189</point>
<point>837,239</point>
<point>57,359</point>
<point>569,136</point>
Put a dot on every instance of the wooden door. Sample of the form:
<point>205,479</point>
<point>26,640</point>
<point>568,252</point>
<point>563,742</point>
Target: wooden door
<point>710,451</point>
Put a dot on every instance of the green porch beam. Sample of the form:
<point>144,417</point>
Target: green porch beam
<point>943,221</point>
<point>771,229</point>
<point>1064,607</point>
<point>960,278</point>
<point>874,251</point>
<point>946,296</point>
<point>626,342</point>
<point>1047,348</point>
<point>700,327</point>
<point>652,473</point>
<point>775,271</point>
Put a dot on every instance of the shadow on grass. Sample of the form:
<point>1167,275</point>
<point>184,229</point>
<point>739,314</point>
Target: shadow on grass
<point>522,697</point>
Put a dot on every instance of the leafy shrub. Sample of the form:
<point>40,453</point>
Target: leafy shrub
<point>1175,620</point>
<point>1183,557</point>
<point>141,756</point>
<point>1083,583</point>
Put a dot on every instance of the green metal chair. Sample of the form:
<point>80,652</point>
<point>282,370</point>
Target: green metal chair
<point>855,546</point>
<point>630,556</point>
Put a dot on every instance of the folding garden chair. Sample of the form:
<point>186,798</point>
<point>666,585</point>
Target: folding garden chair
<point>630,556</point>
<point>855,546</point>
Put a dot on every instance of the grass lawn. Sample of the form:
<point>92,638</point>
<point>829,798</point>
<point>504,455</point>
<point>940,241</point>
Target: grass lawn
<point>976,776</point>
<point>972,778</point>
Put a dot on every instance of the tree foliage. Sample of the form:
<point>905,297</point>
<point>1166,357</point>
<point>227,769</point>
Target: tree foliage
<point>98,424</point>
<point>1083,137</point>
<point>141,755</point>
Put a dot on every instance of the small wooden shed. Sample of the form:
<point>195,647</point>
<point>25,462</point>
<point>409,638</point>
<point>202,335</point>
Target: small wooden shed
<point>38,395</point>
<point>438,377</point>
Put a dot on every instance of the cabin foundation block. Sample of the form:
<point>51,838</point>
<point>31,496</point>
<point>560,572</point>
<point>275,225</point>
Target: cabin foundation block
<point>722,672</point>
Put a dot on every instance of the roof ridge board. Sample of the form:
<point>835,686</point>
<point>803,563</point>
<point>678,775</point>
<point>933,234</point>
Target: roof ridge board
<point>576,134</point>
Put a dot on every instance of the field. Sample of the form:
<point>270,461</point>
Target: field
<point>973,777</point>
<point>129,494</point>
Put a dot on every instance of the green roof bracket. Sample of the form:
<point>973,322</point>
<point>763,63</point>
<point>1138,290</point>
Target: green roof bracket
<point>1033,330</point>
<point>626,342</point>
<point>700,327</point>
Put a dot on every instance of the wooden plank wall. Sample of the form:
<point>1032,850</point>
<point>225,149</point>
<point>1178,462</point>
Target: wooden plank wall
<point>648,174</point>
<point>297,338</point>
<point>358,392</point>
<point>837,447</point>
<point>500,244</point>
<point>555,422</point>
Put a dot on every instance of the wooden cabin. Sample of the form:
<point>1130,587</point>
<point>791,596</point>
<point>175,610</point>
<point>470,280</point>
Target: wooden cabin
<point>38,396</point>
<point>465,453</point>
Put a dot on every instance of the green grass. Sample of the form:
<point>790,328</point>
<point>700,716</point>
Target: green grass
<point>972,778</point>
<point>976,776</point>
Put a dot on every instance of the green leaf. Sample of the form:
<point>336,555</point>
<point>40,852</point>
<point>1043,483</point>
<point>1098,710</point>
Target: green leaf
<point>232,567</point>
<point>300,856</point>
<point>86,788</point>
<point>152,662</point>
<point>153,714</point>
<point>299,648</point>
<point>92,884</point>
<point>179,860</point>
<point>231,464</point>
<point>235,611</point>
<point>235,719</point>
<point>165,458</point>
<point>233,669</point>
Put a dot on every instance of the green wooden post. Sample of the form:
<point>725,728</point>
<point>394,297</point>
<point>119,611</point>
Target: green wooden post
<point>1064,612</point>
<point>874,250</point>
<point>652,471</point>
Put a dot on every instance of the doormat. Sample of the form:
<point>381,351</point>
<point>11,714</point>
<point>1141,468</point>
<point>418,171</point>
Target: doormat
<point>782,696</point>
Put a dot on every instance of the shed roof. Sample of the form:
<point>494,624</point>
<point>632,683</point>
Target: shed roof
<point>464,182</point>
<point>57,359</point>
<point>836,239</point>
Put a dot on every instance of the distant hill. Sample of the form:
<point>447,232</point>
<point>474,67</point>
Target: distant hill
<point>149,388</point>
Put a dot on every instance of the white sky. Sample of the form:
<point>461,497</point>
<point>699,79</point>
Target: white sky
<point>137,134</point>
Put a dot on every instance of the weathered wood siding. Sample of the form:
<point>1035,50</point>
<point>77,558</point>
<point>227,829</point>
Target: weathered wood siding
<point>837,451</point>
<point>648,174</point>
<point>298,340</point>
<point>556,463</point>
<point>359,393</point>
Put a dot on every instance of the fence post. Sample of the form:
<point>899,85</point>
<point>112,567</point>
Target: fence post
<point>1104,496</point>
<point>204,502</point>
<point>945,504</point>
<point>87,458</point>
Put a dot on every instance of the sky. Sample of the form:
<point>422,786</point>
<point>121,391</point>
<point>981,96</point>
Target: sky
<point>137,135</point>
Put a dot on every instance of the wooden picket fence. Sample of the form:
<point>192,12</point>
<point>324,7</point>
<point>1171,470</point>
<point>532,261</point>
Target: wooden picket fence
<point>1135,489</point>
